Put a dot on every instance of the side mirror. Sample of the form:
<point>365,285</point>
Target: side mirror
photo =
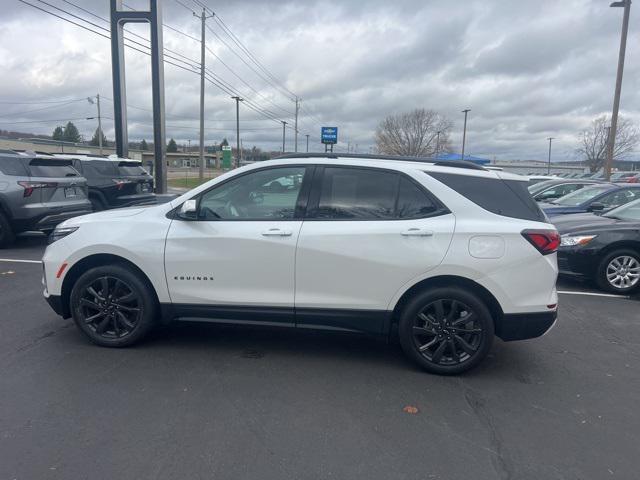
<point>188,210</point>
<point>596,207</point>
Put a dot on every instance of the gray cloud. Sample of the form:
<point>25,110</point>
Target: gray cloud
<point>528,69</point>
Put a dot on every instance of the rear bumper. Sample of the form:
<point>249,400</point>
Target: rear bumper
<point>134,200</point>
<point>522,326</point>
<point>49,218</point>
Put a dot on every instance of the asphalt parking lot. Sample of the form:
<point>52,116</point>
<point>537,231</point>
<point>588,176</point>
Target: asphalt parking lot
<point>204,401</point>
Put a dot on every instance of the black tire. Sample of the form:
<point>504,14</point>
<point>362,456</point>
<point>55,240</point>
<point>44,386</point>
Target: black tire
<point>117,314</point>
<point>96,204</point>
<point>7,236</point>
<point>607,266</point>
<point>446,330</point>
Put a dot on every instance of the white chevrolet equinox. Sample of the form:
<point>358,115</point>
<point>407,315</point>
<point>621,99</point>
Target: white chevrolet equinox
<point>443,255</point>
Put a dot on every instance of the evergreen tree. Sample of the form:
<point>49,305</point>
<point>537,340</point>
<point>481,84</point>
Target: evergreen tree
<point>58,133</point>
<point>143,145</point>
<point>172,147</point>
<point>71,133</point>
<point>95,140</point>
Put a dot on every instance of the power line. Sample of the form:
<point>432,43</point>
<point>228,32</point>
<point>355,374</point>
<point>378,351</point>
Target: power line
<point>43,102</point>
<point>189,68</point>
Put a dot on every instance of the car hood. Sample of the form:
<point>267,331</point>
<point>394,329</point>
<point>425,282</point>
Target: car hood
<point>590,223</point>
<point>106,215</point>
<point>553,209</point>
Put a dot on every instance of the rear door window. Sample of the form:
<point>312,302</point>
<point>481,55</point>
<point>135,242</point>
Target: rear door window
<point>357,194</point>
<point>413,202</point>
<point>509,198</point>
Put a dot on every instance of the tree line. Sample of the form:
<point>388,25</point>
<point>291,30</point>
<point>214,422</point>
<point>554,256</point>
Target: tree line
<point>426,133</point>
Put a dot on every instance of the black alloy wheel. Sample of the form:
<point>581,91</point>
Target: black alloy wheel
<point>110,307</point>
<point>113,306</point>
<point>446,330</point>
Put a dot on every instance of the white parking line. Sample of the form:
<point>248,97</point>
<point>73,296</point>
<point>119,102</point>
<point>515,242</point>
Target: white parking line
<point>592,294</point>
<point>16,260</point>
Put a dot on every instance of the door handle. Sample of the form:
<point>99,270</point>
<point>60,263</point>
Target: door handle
<point>417,232</point>
<point>276,232</point>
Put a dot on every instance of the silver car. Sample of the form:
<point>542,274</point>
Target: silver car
<point>38,193</point>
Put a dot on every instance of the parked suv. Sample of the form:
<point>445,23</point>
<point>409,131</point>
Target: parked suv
<point>114,182</point>
<point>443,257</point>
<point>37,193</point>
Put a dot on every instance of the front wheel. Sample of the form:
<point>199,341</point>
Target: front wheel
<point>446,330</point>
<point>619,271</point>
<point>113,306</point>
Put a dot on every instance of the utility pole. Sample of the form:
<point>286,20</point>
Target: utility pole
<point>549,162</point>
<point>307,135</point>
<point>203,19</point>
<point>616,98</point>
<point>90,100</point>
<point>238,150</point>
<point>437,143</point>
<point>284,126</point>
<point>464,131</point>
<point>296,129</point>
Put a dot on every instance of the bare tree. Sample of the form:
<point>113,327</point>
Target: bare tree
<point>414,134</point>
<point>593,141</point>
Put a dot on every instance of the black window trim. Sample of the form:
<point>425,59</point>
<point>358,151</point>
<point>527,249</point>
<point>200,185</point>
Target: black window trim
<point>300,207</point>
<point>314,197</point>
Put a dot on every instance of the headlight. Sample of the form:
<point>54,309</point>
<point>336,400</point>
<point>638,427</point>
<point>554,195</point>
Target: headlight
<point>575,240</point>
<point>61,232</point>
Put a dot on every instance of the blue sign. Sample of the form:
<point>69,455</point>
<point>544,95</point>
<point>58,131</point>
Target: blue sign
<point>329,135</point>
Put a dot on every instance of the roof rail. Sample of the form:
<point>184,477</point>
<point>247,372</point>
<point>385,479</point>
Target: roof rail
<point>400,158</point>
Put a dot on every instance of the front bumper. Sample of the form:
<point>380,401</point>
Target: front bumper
<point>55,302</point>
<point>522,326</point>
<point>577,261</point>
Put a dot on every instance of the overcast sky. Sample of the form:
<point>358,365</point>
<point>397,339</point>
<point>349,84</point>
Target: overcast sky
<point>527,69</point>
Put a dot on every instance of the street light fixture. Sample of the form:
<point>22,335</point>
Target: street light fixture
<point>611,140</point>
<point>464,131</point>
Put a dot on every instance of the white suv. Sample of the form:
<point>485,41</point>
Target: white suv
<point>443,255</point>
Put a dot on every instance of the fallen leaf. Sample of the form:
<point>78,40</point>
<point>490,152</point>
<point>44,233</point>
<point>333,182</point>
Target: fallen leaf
<point>410,409</point>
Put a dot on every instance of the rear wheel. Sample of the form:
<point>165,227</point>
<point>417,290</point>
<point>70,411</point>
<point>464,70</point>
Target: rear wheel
<point>446,330</point>
<point>96,204</point>
<point>6,232</point>
<point>619,271</point>
<point>113,306</point>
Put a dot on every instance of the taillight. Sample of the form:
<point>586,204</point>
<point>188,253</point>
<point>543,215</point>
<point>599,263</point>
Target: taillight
<point>29,187</point>
<point>120,182</point>
<point>545,241</point>
<point>633,180</point>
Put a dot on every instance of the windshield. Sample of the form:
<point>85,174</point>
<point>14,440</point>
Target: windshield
<point>538,187</point>
<point>40,167</point>
<point>131,169</point>
<point>630,211</point>
<point>580,196</point>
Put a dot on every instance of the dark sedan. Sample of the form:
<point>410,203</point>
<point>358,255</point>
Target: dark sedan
<point>553,189</point>
<point>596,198</point>
<point>605,248</point>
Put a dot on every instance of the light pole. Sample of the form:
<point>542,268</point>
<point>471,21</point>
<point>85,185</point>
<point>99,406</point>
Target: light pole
<point>464,131</point>
<point>284,126</point>
<point>437,143</point>
<point>616,98</point>
<point>549,161</point>
<point>90,100</point>
<point>238,100</point>
<point>307,135</point>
